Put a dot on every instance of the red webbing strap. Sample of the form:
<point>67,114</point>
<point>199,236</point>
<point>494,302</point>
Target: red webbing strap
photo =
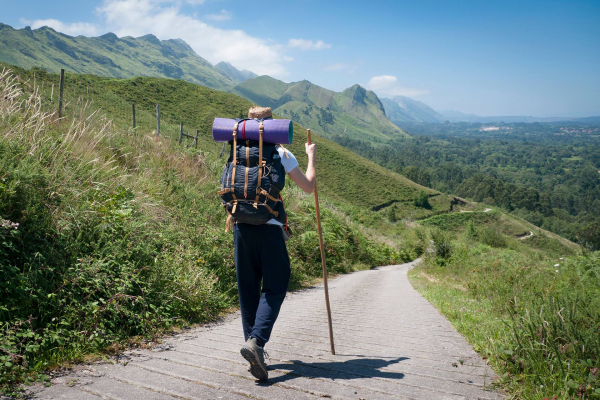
<point>235,128</point>
<point>260,162</point>
<point>244,130</point>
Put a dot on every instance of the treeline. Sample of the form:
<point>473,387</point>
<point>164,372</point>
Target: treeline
<point>552,181</point>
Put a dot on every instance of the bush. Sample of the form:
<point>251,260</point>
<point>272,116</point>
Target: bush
<point>491,237</point>
<point>421,200</point>
<point>442,247</point>
<point>391,214</point>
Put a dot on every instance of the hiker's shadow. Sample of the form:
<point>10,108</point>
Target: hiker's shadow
<point>355,368</point>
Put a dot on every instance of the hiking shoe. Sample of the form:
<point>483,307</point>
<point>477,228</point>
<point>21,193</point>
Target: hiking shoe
<point>255,355</point>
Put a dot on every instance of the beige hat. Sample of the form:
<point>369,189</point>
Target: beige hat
<point>259,112</point>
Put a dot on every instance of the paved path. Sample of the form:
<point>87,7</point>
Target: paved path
<point>390,343</point>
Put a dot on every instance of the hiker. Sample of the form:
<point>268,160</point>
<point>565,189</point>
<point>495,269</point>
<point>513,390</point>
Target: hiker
<point>260,250</point>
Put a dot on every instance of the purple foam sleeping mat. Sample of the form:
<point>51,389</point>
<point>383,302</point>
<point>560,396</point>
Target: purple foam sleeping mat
<point>275,130</point>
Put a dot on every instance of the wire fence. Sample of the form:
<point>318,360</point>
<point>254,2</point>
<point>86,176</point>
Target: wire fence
<point>80,99</point>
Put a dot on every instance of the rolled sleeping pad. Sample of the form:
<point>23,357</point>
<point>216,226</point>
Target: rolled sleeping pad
<point>279,131</point>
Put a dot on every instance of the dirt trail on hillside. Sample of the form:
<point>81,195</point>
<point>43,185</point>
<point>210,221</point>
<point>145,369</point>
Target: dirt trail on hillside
<point>391,343</point>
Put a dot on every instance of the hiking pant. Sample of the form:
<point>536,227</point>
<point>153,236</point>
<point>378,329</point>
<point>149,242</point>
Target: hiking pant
<point>260,254</point>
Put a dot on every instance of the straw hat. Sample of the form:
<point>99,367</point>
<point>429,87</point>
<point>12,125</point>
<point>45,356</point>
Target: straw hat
<point>259,112</point>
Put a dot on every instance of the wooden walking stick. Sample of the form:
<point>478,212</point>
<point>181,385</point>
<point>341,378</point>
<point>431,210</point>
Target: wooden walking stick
<point>322,256</point>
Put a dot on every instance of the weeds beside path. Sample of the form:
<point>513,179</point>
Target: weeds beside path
<point>536,315</point>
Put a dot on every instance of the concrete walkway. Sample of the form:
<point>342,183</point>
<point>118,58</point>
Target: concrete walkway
<point>390,342</point>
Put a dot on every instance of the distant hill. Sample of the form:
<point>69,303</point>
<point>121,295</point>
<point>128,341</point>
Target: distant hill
<point>401,109</point>
<point>234,73</point>
<point>109,55</point>
<point>457,116</point>
<point>355,113</point>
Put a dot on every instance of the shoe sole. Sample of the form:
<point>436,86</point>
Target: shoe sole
<point>256,369</point>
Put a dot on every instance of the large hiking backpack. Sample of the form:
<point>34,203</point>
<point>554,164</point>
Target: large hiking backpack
<point>251,181</point>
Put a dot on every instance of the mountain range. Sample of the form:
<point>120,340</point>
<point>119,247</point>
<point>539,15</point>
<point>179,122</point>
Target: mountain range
<point>354,113</point>
<point>401,109</point>
<point>111,56</point>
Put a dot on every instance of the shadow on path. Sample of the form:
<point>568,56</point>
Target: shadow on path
<point>356,368</point>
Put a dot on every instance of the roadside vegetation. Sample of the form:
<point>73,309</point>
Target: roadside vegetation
<point>533,310</point>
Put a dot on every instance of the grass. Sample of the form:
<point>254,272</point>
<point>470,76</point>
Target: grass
<point>534,312</point>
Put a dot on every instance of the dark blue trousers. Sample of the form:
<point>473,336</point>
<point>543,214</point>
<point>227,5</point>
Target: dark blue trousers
<point>260,255</point>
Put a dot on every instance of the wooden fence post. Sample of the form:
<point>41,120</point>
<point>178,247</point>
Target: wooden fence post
<point>133,112</point>
<point>158,120</point>
<point>60,92</point>
<point>180,132</point>
<point>196,139</point>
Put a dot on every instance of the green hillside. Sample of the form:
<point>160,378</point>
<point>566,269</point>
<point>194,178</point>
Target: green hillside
<point>345,176</point>
<point>525,298</point>
<point>355,113</point>
<point>108,55</point>
<point>263,90</point>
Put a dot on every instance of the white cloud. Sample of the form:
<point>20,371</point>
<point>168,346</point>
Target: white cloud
<point>195,2</point>
<point>164,19</point>
<point>387,85</point>
<point>224,15</point>
<point>304,44</point>
<point>73,29</point>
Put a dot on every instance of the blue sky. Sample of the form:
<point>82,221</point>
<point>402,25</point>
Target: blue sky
<point>539,58</point>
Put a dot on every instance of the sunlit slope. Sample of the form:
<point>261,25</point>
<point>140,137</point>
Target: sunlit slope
<point>263,90</point>
<point>355,113</point>
<point>108,55</point>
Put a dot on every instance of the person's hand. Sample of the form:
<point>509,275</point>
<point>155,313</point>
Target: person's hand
<point>310,149</point>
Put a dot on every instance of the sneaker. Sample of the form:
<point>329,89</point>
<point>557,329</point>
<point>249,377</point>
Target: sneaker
<point>255,355</point>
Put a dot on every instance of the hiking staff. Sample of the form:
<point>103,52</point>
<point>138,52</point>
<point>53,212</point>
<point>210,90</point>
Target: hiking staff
<point>322,257</point>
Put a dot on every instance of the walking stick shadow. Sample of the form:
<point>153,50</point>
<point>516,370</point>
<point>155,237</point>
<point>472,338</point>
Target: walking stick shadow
<point>357,368</point>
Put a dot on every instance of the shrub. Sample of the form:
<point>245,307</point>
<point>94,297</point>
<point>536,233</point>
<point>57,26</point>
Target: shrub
<point>391,214</point>
<point>491,237</point>
<point>421,200</point>
<point>442,247</point>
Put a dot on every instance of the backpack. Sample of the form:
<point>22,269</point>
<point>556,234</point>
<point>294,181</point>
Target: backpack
<point>249,188</point>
